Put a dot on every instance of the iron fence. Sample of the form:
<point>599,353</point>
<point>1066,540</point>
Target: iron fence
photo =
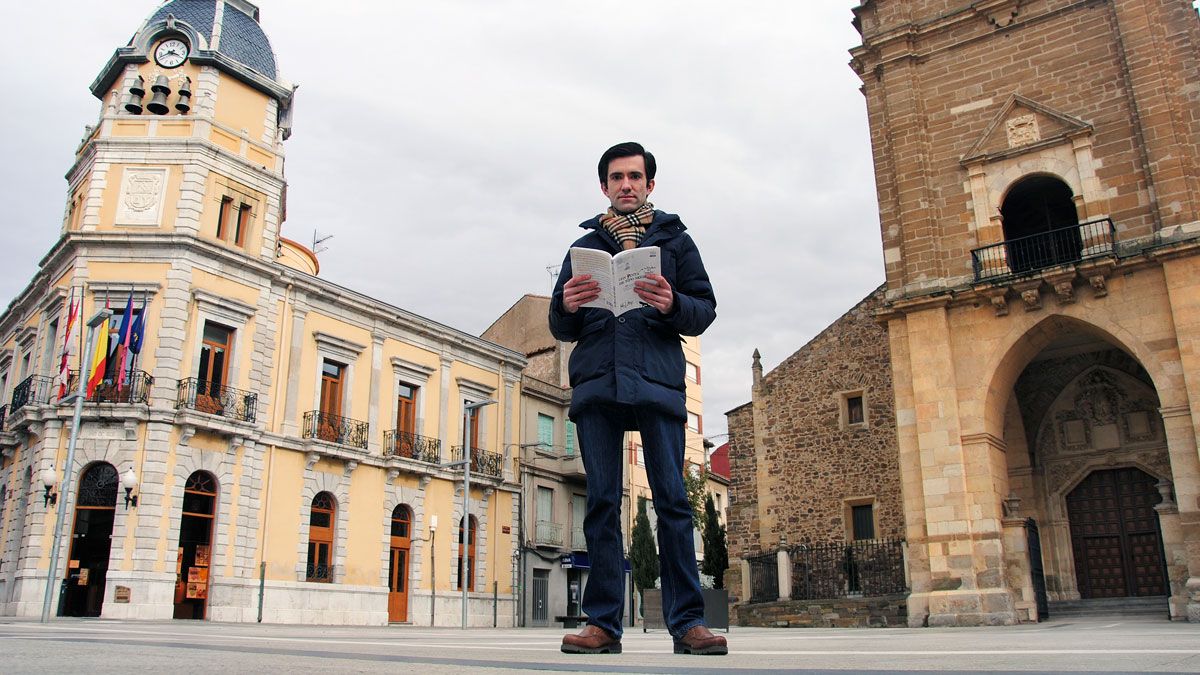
<point>848,569</point>
<point>335,429</point>
<point>215,399</point>
<point>482,461</point>
<point>135,389</point>
<point>398,443</point>
<point>33,390</point>
<point>764,578</point>
<point>1028,254</point>
<point>319,573</point>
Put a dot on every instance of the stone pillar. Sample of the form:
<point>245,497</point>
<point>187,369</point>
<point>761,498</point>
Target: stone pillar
<point>291,426</point>
<point>784,562</point>
<point>373,438</point>
<point>960,480</point>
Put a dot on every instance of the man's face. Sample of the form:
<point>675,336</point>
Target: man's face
<point>627,187</point>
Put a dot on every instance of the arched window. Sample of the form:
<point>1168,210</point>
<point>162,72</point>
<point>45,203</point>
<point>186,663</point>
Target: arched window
<point>401,521</point>
<point>195,545</point>
<point>470,554</point>
<point>1041,224</point>
<point>398,564</point>
<point>320,538</point>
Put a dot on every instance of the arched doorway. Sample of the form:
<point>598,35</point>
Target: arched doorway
<point>321,518</point>
<point>1040,224</point>
<point>91,541</point>
<point>401,540</point>
<point>1115,535</point>
<point>194,555</point>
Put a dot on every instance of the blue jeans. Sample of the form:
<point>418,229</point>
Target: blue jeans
<point>601,429</point>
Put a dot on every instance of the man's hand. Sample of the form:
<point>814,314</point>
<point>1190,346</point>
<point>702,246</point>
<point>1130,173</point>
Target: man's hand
<point>655,291</point>
<point>578,291</point>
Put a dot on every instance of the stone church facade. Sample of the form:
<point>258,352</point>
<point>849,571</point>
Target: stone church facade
<point>1040,215</point>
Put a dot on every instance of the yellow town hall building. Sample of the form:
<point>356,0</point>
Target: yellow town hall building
<point>287,436</point>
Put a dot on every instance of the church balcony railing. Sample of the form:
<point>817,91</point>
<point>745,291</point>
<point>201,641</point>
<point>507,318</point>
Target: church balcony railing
<point>867,568</point>
<point>212,398</point>
<point>135,389</point>
<point>33,390</point>
<point>764,577</point>
<point>335,429</point>
<point>482,461</point>
<point>397,443</point>
<point>1024,256</point>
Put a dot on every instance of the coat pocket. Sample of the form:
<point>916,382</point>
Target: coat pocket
<point>592,356</point>
<point>662,354</point>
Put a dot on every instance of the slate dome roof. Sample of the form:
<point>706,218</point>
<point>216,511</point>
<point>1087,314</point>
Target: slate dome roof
<point>238,36</point>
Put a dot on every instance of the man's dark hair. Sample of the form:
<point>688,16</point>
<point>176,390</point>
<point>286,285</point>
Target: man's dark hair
<point>627,149</point>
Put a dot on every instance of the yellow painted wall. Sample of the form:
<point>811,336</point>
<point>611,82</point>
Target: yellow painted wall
<point>364,538</point>
<point>284,527</point>
<point>112,193</point>
<point>240,107</point>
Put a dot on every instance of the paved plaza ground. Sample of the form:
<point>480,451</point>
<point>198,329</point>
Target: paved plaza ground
<point>1094,644</point>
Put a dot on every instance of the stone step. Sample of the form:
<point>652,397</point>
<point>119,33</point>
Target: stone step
<point>1140,606</point>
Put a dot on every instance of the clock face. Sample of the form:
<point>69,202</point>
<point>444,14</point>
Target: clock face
<point>171,53</point>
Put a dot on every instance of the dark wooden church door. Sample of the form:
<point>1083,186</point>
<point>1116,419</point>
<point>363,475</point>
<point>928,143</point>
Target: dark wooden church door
<point>1115,535</point>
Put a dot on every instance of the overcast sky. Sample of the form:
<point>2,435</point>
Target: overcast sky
<point>450,147</point>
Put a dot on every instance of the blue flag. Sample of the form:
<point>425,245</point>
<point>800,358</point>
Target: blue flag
<point>139,330</point>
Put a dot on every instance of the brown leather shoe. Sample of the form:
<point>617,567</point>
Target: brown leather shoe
<point>591,640</point>
<point>700,640</point>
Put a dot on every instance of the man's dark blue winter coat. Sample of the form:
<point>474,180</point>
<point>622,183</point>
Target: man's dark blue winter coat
<point>636,358</point>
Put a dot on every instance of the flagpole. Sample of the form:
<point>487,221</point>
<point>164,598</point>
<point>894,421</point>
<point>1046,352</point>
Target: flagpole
<point>64,487</point>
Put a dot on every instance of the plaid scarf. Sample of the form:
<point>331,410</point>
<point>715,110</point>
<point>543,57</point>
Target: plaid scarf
<point>628,228</point>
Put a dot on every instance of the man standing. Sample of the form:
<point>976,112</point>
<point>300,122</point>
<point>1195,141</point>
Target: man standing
<point>627,374</point>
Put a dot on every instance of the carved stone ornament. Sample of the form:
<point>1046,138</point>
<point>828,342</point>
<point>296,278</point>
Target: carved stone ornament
<point>141,196</point>
<point>1099,285</point>
<point>1098,400</point>
<point>311,458</point>
<point>1022,130</point>
<point>1065,290</point>
<point>1005,14</point>
<point>351,465</point>
<point>1032,299</point>
<point>999,303</point>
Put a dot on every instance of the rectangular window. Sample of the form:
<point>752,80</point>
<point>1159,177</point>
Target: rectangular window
<point>474,441</point>
<point>224,215</point>
<point>49,366</point>
<point>854,409</point>
<point>570,439</point>
<point>331,387</point>
<point>545,432</point>
<point>693,422</point>
<point>640,455</point>
<point>214,358</point>
<point>693,372</point>
<point>243,224</point>
<point>863,521</point>
<point>545,504</point>
<point>406,409</point>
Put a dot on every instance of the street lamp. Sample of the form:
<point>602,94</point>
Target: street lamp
<point>129,481</point>
<point>97,319</point>
<point>466,521</point>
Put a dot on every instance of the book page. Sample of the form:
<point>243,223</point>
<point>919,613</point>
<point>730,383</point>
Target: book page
<point>628,267</point>
<point>598,264</point>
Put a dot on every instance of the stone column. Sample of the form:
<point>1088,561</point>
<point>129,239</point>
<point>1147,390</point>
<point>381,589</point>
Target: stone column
<point>291,426</point>
<point>375,435</point>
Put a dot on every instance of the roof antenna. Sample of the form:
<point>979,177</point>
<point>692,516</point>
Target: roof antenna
<point>318,240</point>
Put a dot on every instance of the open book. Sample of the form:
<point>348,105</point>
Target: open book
<point>616,274</point>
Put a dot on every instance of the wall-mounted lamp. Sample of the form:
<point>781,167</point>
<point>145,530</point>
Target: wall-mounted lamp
<point>129,481</point>
<point>49,481</point>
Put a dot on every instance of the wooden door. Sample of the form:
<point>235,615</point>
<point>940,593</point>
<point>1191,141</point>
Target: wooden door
<point>91,542</point>
<point>1115,535</point>
<point>398,564</point>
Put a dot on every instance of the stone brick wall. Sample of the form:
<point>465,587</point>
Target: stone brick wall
<point>881,612</point>
<point>794,476</point>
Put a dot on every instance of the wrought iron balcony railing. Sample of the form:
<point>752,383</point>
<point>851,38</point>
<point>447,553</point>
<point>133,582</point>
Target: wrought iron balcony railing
<point>547,533</point>
<point>482,461</point>
<point>214,399</point>
<point>136,388</point>
<point>412,446</point>
<point>578,541</point>
<point>3,415</point>
<point>853,568</point>
<point>319,573</point>
<point>335,429</point>
<point>1029,254</point>
<point>33,390</point>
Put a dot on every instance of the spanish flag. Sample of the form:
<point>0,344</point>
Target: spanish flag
<point>99,358</point>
